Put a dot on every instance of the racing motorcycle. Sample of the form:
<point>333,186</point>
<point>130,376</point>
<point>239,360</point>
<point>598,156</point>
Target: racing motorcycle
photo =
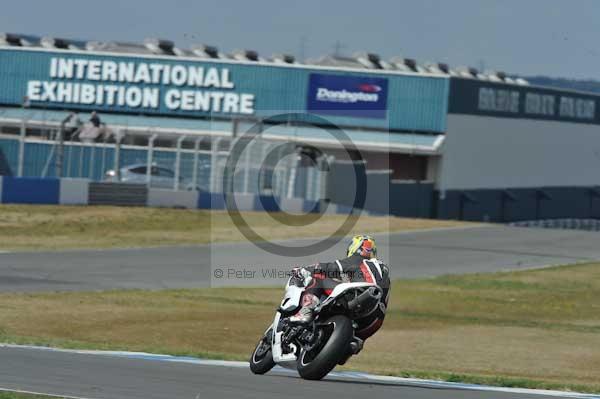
<point>315,348</point>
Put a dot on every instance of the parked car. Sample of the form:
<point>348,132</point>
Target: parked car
<point>160,177</point>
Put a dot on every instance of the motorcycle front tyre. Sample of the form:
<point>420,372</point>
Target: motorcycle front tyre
<point>261,360</point>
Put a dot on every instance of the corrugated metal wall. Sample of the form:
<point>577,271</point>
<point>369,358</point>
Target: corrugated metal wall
<point>415,103</point>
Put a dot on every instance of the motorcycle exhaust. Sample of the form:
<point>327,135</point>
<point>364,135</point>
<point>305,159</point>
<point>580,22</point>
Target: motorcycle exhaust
<point>371,295</point>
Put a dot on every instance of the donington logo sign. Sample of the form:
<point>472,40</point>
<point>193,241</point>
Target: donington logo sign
<point>140,85</point>
<point>356,96</point>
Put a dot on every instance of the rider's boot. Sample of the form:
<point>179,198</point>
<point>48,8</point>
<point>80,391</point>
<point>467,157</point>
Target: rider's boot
<point>355,347</point>
<point>306,313</point>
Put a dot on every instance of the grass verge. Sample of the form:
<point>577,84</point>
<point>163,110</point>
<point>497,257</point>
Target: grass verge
<point>535,329</point>
<point>48,227</point>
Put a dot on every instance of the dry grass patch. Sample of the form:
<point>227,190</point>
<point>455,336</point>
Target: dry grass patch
<point>538,328</point>
<point>28,227</point>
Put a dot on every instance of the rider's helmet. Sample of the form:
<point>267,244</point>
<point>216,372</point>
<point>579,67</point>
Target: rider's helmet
<point>362,245</point>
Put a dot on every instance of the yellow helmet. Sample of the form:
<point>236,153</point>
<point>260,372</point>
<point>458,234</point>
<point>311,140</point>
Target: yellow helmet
<point>362,245</point>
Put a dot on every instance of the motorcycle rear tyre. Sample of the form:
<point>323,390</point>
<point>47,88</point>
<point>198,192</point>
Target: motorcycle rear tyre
<point>334,350</point>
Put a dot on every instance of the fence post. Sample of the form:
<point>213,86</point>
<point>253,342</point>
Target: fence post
<point>292,176</point>
<point>117,155</point>
<point>247,166</point>
<point>195,171</point>
<point>308,191</point>
<point>103,163</point>
<point>214,157</point>
<point>261,172</point>
<point>178,162</point>
<point>149,159</point>
<point>81,153</point>
<point>282,177</point>
<point>60,153</point>
<point>92,160</point>
<point>51,155</point>
<point>22,148</point>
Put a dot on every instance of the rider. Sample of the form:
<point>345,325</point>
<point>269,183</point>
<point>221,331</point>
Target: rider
<point>360,265</point>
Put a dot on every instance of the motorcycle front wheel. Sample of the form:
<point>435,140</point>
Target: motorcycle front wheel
<point>332,345</point>
<point>261,360</point>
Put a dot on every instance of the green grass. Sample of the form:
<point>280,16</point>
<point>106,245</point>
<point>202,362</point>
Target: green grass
<point>48,227</point>
<point>534,329</point>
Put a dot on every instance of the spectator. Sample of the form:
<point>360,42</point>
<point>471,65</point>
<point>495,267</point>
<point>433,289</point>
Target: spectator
<point>71,124</point>
<point>95,119</point>
<point>92,130</point>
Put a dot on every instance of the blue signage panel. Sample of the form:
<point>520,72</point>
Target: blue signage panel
<point>174,86</point>
<point>357,96</point>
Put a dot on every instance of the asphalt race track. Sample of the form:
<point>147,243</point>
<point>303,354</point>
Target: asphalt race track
<point>100,376</point>
<point>411,254</point>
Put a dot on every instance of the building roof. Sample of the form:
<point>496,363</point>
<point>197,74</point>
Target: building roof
<point>152,46</point>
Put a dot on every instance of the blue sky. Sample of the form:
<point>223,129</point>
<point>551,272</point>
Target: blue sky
<point>551,37</point>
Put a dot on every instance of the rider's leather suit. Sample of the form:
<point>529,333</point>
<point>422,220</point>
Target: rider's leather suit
<point>325,276</point>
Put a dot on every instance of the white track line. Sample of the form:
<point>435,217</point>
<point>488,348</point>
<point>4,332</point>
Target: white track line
<point>342,374</point>
<point>42,393</point>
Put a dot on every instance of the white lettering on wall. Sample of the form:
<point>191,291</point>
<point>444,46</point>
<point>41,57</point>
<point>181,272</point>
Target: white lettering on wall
<point>536,104</point>
<point>577,108</point>
<point>498,100</point>
<point>138,85</point>
<point>539,104</point>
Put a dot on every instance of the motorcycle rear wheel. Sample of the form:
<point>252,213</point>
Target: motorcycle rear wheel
<point>261,360</point>
<point>315,366</point>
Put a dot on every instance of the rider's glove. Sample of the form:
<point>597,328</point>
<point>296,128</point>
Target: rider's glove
<point>302,275</point>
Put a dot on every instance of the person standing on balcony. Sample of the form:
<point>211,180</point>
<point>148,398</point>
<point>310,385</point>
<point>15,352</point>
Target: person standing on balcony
<point>95,120</point>
<point>71,124</point>
<point>91,132</point>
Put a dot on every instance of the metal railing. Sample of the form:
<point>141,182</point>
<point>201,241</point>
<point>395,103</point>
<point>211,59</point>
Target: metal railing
<point>157,158</point>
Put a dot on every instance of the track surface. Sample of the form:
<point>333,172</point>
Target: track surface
<point>411,254</point>
<point>107,377</point>
<point>415,254</point>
